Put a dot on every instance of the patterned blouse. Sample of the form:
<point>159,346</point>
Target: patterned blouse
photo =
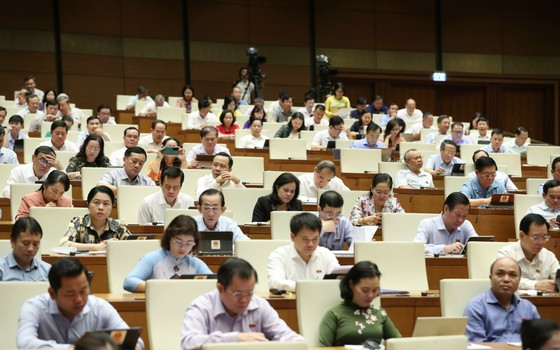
<point>365,207</point>
<point>76,163</point>
<point>81,230</point>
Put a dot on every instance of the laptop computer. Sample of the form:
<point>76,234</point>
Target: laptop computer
<point>125,338</point>
<point>205,160</point>
<point>216,243</point>
<point>477,239</point>
<point>483,142</point>
<point>359,234</point>
<point>199,276</point>
<point>266,143</point>
<point>18,145</point>
<point>331,144</point>
<point>458,169</point>
<point>501,200</point>
<point>436,326</point>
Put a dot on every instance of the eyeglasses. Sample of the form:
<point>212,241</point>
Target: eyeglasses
<point>210,209</point>
<point>184,244</point>
<point>381,193</point>
<point>537,238</point>
<point>44,161</point>
<point>458,132</point>
<point>488,175</point>
<point>337,129</point>
<point>331,214</point>
<point>93,149</point>
<point>239,294</point>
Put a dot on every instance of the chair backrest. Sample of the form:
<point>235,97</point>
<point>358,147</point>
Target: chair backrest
<point>239,133</point>
<point>521,206</point>
<point>455,294</point>
<point>280,224</point>
<point>425,132</point>
<point>454,342</point>
<point>14,295</point>
<point>111,147</point>
<point>170,114</point>
<point>454,183</point>
<point>256,252</point>
<point>540,155</point>
<point>29,146</point>
<point>46,127</point>
<point>249,169</point>
<point>344,143</point>
<point>5,171</point>
<point>402,227</point>
<point>17,191</point>
<point>405,146</point>
<point>349,197</point>
<point>5,247</point>
<point>272,127</point>
<point>269,176</point>
<point>54,222</point>
<point>408,274</point>
<point>122,102</point>
<point>172,100</point>
<point>287,149</point>
<point>468,150</point>
<point>139,106</point>
<point>242,201</point>
<point>132,197</point>
<point>91,177</point>
<point>360,161</point>
<point>308,136</point>
<point>532,185</point>
<point>313,299</point>
<point>391,168</point>
<point>116,131</point>
<point>191,177</point>
<point>480,255</point>
<point>512,160</point>
<point>64,157</point>
<point>166,303</point>
<point>269,345</point>
<point>171,214</point>
<point>122,257</point>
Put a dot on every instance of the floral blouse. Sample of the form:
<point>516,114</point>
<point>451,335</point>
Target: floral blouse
<point>77,163</point>
<point>365,207</point>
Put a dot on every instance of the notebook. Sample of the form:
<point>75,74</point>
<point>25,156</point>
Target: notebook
<point>199,276</point>
<point>501,200</point>
<point>477,239</point>
<point>125,338</point>
<point>436,326</point>
<point>216,243</point>
<point>359,234</point>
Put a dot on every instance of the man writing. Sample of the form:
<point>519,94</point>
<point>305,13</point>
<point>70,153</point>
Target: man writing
<point>336,228</point>
<point>442,163</point>
<point>480,190</point>
<point>322,178</point>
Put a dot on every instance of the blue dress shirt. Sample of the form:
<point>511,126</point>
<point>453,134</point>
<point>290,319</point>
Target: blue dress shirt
<point>11,271</point>
<point>473,190</point>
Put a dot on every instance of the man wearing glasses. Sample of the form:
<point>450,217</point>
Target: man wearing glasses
<point>442,163</point>
<point>480,190</point>
<point>333,133</point>
<point>42,163</point>
<point>337,229</point>
<point>549,208</point>
<point>457,135</point>
<point>232,313</point>
<point>538,264</point>
<point>211,205</point>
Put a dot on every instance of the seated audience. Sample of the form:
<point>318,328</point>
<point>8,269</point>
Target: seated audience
<point>232,312</point>
<point>257,112</point>
<point>442,163</point>
<point>15,124</point>
<point>520,142</point>
<point>501,177</point>
<point>336,131</point>
<point>336,228</point>
<point>150,109</point>
<point>292,129</point>
<point>355,319</point>
<point>448,232</point>
<point>153,142</point>
<point>426,123</point>
<point>283,111</point>
<point>481,133</point>
<point>221,175</point>
<point>414,176</point>
<point>50,194</point>
<point>410,114</point>
<point>555,171</point>
<point>227,127</point>
<point>284,197</point>
<point>391,114</point>
<point>369,208</point>
<point>540,334</point>
<point>179,245</point>
<point>42,163</point>
<point>361,108</point>
<point>58,142</point>
<point>480,190</point>
<point>142,94</point>
<point>538,265</point>
<point>130,138</point>
<point>231,103</point>
<point>104,115</point>
<point>187,100</point>
<point>63,315</point>
<point>496,315</point>
<point>359,127</point>
<point>171,154</point>
<point>129,174</point>
<point>323,177</point>
<point>7,156</point>
<point>317,118</point>
<point>65,109</point>
<point>92,231</point>
<point>303,259</point>
<point>442,129</point>
<point>393,134</point>
<point>91,154</point>
<point>152,208</point>
<point>308,103</point>
<point>371,139</point>
<point>549,208</point>
<point>256,139</point>
<point>377,106</point>
<point>20,264</point>
<point>495,145</point>
<point>32,106</point>
<point>211,205</point>
<point>208,140</point>
<point>458,135</point>
<point>93,128</point>
<point>200,118</point>
<point>337,101</point>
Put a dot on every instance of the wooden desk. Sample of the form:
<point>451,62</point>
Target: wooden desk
<point>493,346</point>
<point>420,201</point>
<point>493,222</point>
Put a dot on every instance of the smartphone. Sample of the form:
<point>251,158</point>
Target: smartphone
<point>277,291</point>
<point>170,150</point>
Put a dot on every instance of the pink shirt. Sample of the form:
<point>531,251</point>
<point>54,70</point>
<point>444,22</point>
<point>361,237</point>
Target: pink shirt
<point>35,199</point>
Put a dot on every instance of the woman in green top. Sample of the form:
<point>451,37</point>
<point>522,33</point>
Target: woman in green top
<point>355,320</point>
<point>293,128</point>
<point>91,154</point>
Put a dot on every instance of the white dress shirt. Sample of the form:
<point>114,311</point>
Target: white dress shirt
<point>149,142</point>
<point>323,137</point>
<point>67,146</point>
<point>410,119</point>
<point>224,224</point>
<point>249,141</point>
<point>199,149</point>
<point>23,174</point>
<point>544,210</point>
<point>153,207</point>
<point>117,157</point>
<point>308,192</point>
<point>195,121</point>
<point>406,177</point>
<point>208,181</point>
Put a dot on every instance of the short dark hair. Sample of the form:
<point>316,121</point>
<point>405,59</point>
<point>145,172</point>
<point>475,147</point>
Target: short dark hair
<point>2,130</point>
<point>520,129</point>
<point>102,106</point>
<point>531,218</point>
<point>92,117</point>
<point>336,120</point>
<point>203,103</point>
<point>17,119</point>
<point>321,107</point>
<point>485,162</point>
<point>482,119</point>
<point>181,225</point>
<point>535,333</point>
<point>361,101</point>
<point>135,149</point>
<point>447,142</point>
<point>102,189</point>
<point>442,118</point>
<point>553,165</point>
<point>331,198</point>
<point>362,269</point>
<point>156,122</point>
<point>381,178</point>
<point>456,198</point>
<point>497,132</point>
<point>224,154</point>
<point>56,176</point>
<point>212,192</point>
<point>550,184</point>
<point>457,124</point>
<point>224,113</point>
<point>326,164</point>
<point>23,224</point>
<point>235,267</point>
<point>44,150</point>
<point>58,124</point>
<point>142,89</point>
<point>372,127</point>
<point>281,180</point>
<point>206,130</point>
<point>339,85</point>
<point>172,172</point>
<point>65,267</point>
<point>131,128</point>
<point>305,220</point>
<point>477,152</point>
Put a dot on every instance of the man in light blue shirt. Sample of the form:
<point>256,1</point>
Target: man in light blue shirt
<point>391,114</point>
<point>20,264</point>
<point>449,232</point>
<point>336,228</point>
<point>496,143</point>
<point>442,163</point>
<point>519,143</point>
<point>480,190</point>
<point>496,315</point>
<point>372,138</point>
<point>7,156</point>
<point>443,128</point>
